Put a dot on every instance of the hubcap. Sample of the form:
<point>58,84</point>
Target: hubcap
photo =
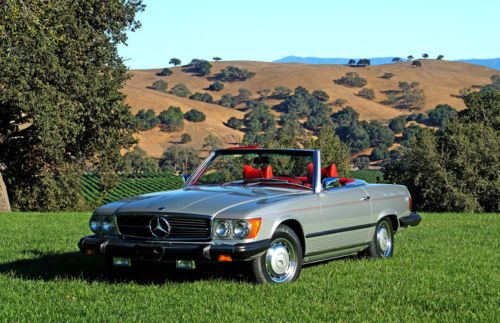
<point>384,239</point>
<point>281,261</point>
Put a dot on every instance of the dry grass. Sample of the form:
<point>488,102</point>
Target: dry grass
<point>440,80</point>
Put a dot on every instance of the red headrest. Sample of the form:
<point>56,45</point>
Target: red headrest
<point>330,171</point>
<point>249,172</point>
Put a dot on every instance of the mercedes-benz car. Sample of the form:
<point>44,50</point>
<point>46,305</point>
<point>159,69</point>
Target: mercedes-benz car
<point>271,210</point>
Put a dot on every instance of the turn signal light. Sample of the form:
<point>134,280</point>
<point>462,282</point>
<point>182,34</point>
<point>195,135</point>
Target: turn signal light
<point>225,258</point>
<point>254,227</point>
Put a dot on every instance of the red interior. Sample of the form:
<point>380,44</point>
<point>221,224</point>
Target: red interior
<point>250,172</point>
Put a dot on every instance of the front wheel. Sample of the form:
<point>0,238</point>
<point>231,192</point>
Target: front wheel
<point>282,262</point>
<point>382,244</point>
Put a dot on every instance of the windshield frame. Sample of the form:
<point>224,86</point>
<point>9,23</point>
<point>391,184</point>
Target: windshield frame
<point>316,187</point>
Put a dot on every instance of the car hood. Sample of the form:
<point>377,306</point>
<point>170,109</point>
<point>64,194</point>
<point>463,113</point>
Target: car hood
<point>206,200</point>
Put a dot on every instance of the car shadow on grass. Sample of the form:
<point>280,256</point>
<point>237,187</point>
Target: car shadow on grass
<point>77,266</point>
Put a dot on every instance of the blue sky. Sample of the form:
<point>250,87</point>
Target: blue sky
<point>267,30</point>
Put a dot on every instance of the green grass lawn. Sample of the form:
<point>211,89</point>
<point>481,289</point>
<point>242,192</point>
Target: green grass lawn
<point>446,269</point>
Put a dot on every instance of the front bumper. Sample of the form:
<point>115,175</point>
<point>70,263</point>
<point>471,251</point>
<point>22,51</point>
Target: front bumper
<point>410,220</point>
<point>157,251</point>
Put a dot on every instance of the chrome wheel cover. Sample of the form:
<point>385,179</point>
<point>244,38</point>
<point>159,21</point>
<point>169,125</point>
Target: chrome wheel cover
<point>281,261</point>
<point>384,239</point>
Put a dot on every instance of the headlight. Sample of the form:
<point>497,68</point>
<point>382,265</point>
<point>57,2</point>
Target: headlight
<point>103,224</point>
<point>108,227</point>
<point>241,229</point>
<point>95,226</point>
<point>237,229</point>
<point>223,229</point>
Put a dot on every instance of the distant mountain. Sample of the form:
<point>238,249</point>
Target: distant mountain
<point>488,62</point>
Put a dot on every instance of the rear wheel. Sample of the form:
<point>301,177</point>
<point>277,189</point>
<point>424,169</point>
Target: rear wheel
<point>282,262</point>
<point>382,244</point>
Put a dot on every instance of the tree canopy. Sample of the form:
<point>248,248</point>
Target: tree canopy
<point>61,108</point>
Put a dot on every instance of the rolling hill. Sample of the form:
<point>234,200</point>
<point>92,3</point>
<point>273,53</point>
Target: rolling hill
<point>441,82</point>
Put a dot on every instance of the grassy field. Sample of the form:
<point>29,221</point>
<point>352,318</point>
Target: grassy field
<point>446,269</point>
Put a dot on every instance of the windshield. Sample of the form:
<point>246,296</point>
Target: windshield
<point>281,168</point>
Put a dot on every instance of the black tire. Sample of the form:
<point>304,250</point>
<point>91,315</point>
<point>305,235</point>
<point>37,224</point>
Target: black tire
<point>284,239</point>
<point>375,250</point>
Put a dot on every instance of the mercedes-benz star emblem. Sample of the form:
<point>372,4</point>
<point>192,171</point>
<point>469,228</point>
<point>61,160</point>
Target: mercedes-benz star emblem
<point>159,227</point>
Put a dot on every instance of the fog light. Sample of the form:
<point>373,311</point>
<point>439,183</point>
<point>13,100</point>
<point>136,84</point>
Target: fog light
<point>185,264</point>
<point>121,262</point>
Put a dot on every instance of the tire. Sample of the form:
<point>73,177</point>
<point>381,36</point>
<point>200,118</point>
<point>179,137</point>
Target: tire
<point>282,262</point>
<point>382,243</point>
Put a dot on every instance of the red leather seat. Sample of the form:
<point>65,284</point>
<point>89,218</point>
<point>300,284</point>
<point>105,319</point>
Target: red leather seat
<point>330,171</point>
<point>249,172</point>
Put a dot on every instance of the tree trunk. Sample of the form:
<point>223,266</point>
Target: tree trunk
<point>4,198</point>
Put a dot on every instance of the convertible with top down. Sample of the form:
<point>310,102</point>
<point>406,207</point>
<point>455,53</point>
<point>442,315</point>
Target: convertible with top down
<point>271,210</point>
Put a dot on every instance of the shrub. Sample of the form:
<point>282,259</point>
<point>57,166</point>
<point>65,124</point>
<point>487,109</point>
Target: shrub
<point>367,93</point>
<point>228,101</point>
<point>410,132</point>
<point>361,162</point>
<point>185,138</point>
<point>321,95</point>
<point>145,120</point>
<point>179,159</point>
<point>204,97</point>
<point>175,61</point>
<point>200,67</point>
<point>387,76</point>
<point>235,123</point>
<point>455,169</point>
<point>351,79</point>
<point>137,162</point>
<point>194,115</point>
<point>441,115</point>
<point>160,85</point>
<point>281,92</point>
<point>233,73</point>
<point>340,102</point>
<point>243,95</point>
<point>165,72</point>
<point>263,93</point>
<point>180,89</point>
<point>216,86</point>
<point>172,119</point>
<point>378,133</point>
<point>416,64</point>
<point>212,142</point>
<point>379,153</point>
<point>398,124</point>
<point>409,97</point>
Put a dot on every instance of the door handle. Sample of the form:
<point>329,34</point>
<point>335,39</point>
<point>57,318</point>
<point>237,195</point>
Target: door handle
<point>365,198</point>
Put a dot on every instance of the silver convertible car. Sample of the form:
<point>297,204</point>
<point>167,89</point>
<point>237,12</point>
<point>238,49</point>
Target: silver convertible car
<point>271,210</point>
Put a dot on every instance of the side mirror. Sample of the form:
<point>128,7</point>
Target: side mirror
<point>331,182</point>
<point>185,177</point>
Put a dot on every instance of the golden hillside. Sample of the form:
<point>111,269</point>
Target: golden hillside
<point>440,80</point>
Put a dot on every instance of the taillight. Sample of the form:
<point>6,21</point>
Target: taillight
<point>409,203</point>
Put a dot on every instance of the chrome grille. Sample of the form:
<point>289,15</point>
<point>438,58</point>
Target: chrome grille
<point>182,227</point>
